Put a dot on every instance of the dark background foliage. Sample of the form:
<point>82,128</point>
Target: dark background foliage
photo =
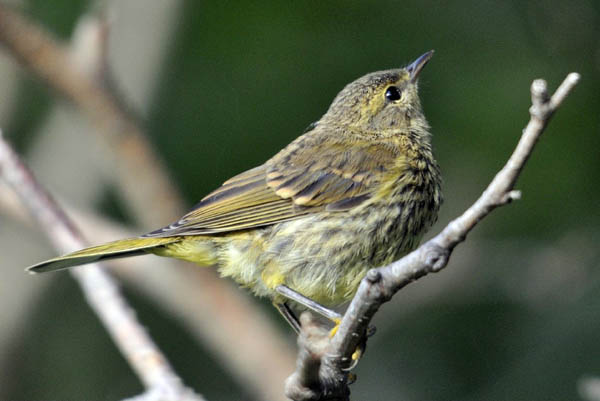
<point>517,313</point>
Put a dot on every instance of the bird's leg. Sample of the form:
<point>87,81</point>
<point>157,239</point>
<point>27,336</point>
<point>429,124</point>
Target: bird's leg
<point>335,317</point>
<point>312,305</point>
<point>288,315</point>
<point>309,303</point>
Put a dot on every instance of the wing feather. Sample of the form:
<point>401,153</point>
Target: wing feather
<point>313,174</point>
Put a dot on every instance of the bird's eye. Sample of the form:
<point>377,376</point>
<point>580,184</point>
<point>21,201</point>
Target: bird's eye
<point>392,93</point>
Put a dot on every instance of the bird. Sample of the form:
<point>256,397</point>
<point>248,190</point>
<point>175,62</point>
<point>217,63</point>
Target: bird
<point>357,190</point>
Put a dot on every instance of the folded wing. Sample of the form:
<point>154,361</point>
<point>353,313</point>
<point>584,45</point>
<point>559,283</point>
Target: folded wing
<point>311,175</point>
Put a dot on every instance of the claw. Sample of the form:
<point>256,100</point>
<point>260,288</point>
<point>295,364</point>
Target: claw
<point>360,349</point>
<point>335,328</point>
<point>355,358</point>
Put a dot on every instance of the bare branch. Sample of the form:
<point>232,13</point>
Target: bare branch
<point>382,283</point>
<point>313,341</point>
<point>100,290</point>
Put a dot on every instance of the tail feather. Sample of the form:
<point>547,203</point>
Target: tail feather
<point>116,249</point>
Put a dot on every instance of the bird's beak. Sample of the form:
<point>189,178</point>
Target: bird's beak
<point>416,66</point>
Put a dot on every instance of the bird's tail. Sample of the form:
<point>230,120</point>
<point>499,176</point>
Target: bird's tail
<point>116,249</point>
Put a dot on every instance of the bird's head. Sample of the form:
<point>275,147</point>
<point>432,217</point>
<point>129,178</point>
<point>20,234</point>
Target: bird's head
<point>381,101</point>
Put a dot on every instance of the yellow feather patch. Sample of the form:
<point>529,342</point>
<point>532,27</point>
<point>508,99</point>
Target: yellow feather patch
<point>198,249</point>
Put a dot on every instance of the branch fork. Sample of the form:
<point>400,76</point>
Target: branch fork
<point>326,379</point>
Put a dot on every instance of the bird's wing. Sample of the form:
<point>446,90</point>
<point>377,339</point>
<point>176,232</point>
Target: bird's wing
<point>310,175</point>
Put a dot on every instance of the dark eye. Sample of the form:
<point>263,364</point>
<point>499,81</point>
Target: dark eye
<point>392,93</point>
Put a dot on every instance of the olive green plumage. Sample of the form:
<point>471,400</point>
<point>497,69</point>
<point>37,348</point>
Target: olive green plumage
<point>356,191</point>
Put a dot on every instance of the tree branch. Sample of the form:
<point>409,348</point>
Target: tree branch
<point>382,283</point>
<point>99,288</point>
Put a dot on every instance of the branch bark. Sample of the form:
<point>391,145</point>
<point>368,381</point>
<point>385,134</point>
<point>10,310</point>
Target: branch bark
<point>321,372</point>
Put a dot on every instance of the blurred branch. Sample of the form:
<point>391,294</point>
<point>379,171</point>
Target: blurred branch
<point>588,388</point>
<point>100,290</point>
<point>89,49</point>
<point>141,172</point>
<point>197,314</point>
<point>80,75</point>
<point>322,370</point>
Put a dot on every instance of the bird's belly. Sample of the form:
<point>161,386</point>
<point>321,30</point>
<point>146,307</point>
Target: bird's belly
<point>322,256</point>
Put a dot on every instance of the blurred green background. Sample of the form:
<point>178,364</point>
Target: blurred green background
<point>516,315</point>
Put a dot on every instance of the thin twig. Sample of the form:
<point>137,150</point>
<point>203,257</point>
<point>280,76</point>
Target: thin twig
<point>99,288</point>
<point>382,283</point>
